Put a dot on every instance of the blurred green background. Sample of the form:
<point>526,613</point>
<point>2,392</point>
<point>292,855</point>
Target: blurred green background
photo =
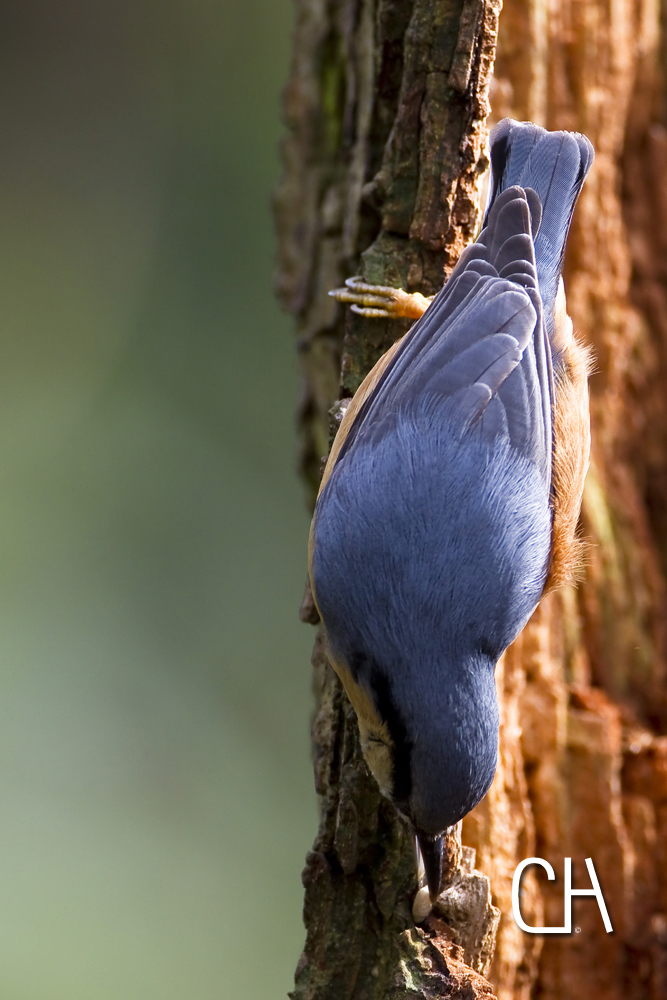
<point>156,795</point>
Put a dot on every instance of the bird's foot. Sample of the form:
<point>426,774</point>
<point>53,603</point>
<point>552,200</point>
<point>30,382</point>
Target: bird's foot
<point>381,301</point>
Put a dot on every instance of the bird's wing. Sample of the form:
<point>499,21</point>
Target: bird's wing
<point>480,350</point>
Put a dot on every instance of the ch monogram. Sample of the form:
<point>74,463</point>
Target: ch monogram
<point>569,893</point>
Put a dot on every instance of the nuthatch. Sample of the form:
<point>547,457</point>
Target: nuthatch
<point>450,500</point>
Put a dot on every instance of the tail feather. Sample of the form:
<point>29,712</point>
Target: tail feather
<point>553,165</point>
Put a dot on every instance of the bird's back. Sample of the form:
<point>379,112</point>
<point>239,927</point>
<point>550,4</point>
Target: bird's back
<point>432,536</point>
<point>432,533</point>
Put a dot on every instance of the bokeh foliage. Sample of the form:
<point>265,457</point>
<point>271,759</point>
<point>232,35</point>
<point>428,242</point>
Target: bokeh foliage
<point>154,776</point>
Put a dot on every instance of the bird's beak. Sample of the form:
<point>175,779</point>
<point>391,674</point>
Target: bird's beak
<point>431,849</point>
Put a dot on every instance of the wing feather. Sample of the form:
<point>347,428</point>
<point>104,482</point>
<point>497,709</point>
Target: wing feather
<point>481,329</point>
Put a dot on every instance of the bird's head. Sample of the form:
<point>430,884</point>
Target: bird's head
<point>430,741</point>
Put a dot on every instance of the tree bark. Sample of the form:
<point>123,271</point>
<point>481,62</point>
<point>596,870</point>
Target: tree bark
<point>386,106</point>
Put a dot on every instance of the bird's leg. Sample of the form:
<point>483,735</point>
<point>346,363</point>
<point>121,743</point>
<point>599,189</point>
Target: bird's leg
<point>381,301</point>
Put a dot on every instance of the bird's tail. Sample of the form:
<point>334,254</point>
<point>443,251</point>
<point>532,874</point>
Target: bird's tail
<point>554,165</point>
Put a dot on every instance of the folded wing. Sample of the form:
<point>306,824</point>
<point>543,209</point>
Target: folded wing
<point>480,352</point>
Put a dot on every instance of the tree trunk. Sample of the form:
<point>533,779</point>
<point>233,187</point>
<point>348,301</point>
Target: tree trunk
<point>386,106</point>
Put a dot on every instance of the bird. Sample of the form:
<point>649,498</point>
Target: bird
<point>449,503</point>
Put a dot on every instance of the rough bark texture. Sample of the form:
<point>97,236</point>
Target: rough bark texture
<point>385,107</point>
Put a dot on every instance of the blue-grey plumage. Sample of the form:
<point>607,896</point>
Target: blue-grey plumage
<point>432,537</point>
<point>554,165</point>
